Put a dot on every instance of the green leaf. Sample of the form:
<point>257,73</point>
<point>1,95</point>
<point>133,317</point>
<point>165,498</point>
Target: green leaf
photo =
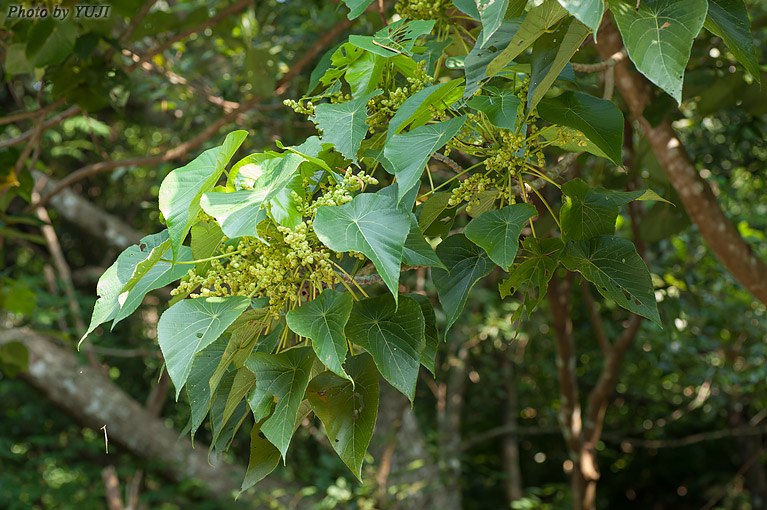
<point>491,13</point>
<point>17,297</point>
<point>113,301</point>
<point>409,152</point>
<point>371,224</point>
<point>500,110</point>
<point>537,21</point>
<point>364,73</point>
<point>223,430</point>
<point>534,271</point>
<point>728,19</point>
<point>356,7</point>
<point>198,384</point>
<point>263,458</point>
<point>467,263</point>
<point>14,359</point>
<point>433,209</point>
<point>481,55</point>
<point>181,190</point>
<point>343,124</point>
<point>348,409</point>
<point>189,326</point>
<point>659,37</point>
<point>283,376</point>
<point>601,121</point>
<point>589,212</point>
<point>497,232</point>
<point>575,141</point>
<point>323,320</point>
<point>206,238</point>
<point>394,39</point>
<point>284,208</point>
<point>239,213</point>
<point>424,105</point>
<point>588,12</point>
<point>50,42</point>
<point>393,335</point>
<point>16,61</point>
<point>417,251</point>
<point>619,273</point>
<point>429,354</point>
<point>551,53</point>
<point>468,7</point>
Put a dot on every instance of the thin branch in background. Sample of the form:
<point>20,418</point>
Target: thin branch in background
<point>112,485</point>
<point>449,162</point>
<point>15,117</point>
<point>745,467</point>
<point>596,319</point>
<point>601,66</point>
<point>182,150</point>
<point>53,121</point>
<point>232,9</point>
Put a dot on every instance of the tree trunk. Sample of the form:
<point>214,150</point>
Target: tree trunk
<point>514,490</point>
<point>95,401</point>
<point>747,446</point>
<point>717,230</point>
<point>402,457</point>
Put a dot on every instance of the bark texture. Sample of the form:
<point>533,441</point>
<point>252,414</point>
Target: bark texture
<point>717,230</point>
<point>94,400</point>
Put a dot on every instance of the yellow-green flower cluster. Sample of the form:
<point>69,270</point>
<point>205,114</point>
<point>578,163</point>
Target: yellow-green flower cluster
<point>306,108</point>
<point>281,264</point>
<point>421,9</point>
<point>383,107</point>
<point>469,191</point>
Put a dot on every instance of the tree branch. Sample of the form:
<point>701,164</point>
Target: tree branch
<point>717,230</point>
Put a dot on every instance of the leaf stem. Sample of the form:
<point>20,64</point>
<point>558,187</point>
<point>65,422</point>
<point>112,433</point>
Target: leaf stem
<point>192,262</point>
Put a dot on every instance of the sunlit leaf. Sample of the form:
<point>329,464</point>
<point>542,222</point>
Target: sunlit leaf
<point>497,232</point>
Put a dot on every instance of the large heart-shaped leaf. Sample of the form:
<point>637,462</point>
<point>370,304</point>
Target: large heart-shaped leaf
<point>588,12</point>
<point>395,39</point>
<point>198,383</point>
<point>116,303</point>
<point>589,212</point>
<point>364,74</point>
<point>393,335</point>
<point>497,232</point>
<point>659,36</point>
<point>371,224</point>
<point>535,271</point>
<point>181,190</point>
<point>343,124</point>
<point>429,354</point>
<point>536,22</point>
<point>467,263</point>
<point>728,19</point>
<point>422,106</point>
<point>480,56</point>
<point>619,273</point>
<point>491,13</point>
<point>601,121</point>
<point>409,152</point>
<point>500,109</point>
<point>283,376</point>
<point>348,410</point>
<point>417,251</point>
<point>551,53</point>
<point>323,320</point>
<point>50,41</point>
<point>240,212</point>
<point>191,325</point>
<point>263,458</point>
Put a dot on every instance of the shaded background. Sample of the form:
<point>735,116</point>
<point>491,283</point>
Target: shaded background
<point>106,107</point>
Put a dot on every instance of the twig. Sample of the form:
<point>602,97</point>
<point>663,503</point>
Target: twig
<point>601,66</point>
<point>232,9</point>
<point>449,162</point>
<point>15,117</point>
<point>53,121</point>
<point>596,319</point>
<point>112,485</point>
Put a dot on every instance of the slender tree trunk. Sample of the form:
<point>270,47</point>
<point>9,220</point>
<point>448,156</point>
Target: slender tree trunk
<point>513,487</point>
<point>403,458</point>
<point>717,230</point>
<point>747,446</point>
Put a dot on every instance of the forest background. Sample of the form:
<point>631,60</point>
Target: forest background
<point>103,107</point>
